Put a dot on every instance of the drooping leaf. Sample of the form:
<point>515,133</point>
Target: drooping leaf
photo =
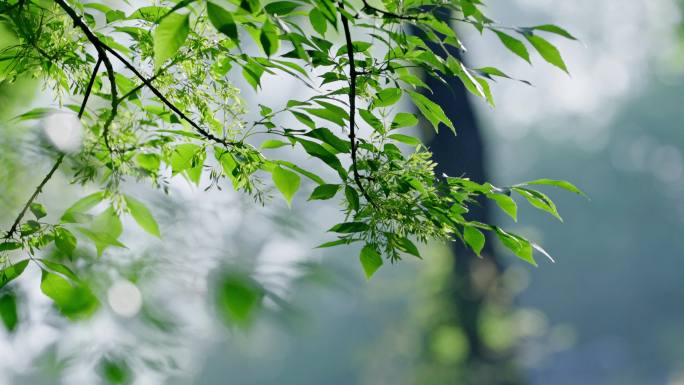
<point>518,245</point>
<point>370,260</point>
<point>431,111</point>
<point>505,203</point>
<point>547,51</point>
<point>222,20</point>
<point>287,183</point>
<point>539,200</point>
<point>514,45</point>
<point>474,238</point>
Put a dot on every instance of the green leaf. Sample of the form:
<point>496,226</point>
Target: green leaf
<point>324,191</point>
<point>474,238</point>
<point>188,158</point>
<point>75,213</point>
<point>505,203</point>
<point>554,29</point>
<point>12,271</point>
<point>514,45</point>
<point>169,36</point>
<point>222,20</point>
<point>518,245</point>
<point>287,183</point>
<point>38,210</point>
<point>372,121</point>
<point>406,139</point>
<point>281,8</point>
<point>318,21</point>
<point>547,50</point>
<point>8,311</point>
<point>73,299</point>
<point>238,298</point>
<point>404,119</point>
<point>65,241</point>
<point>326,136</point>
<point>387,97</point>
<point>431,111</point>
<point>352,198</point>
<point>6,246</point>
<point>404,244</point>
<point>370,260</point>
<point>29,227</point>
<point>142,215</point>
<point>539,200</point>
<point>273,143</point>
<point>115,371</point>
<point>268,39</point>
<point>349,227</point>
<point>104,230</point>
<point>556,183</point>
<point>149,162</point>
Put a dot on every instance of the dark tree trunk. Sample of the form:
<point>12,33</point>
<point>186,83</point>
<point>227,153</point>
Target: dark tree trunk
<point>473,277</point>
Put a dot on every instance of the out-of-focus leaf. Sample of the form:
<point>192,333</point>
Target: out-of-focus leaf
<point>142,215</point>
<point>74,300</point>
<point>8,311</point>
<point>238,298</point>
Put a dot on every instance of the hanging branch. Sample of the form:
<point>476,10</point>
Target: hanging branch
<point>352,106</point>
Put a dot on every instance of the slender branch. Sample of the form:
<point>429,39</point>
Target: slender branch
<point>103,47</point>
<point>166,101</point>
<point>38,190</point>
<point>58,162</point>
<point>352,106</point>
<point>89,88</point>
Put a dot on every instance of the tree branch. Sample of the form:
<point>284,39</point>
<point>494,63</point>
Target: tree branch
<point>38,190</point>
<point>352,106</point>
<point>102,47</point>
<point>59,160</point>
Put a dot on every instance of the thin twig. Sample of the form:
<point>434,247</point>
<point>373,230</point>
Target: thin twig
<point>101,46</point>
<point>352,106</point>
<point>38,190</point>
<point>59,160</point>
<point>89,88</point>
